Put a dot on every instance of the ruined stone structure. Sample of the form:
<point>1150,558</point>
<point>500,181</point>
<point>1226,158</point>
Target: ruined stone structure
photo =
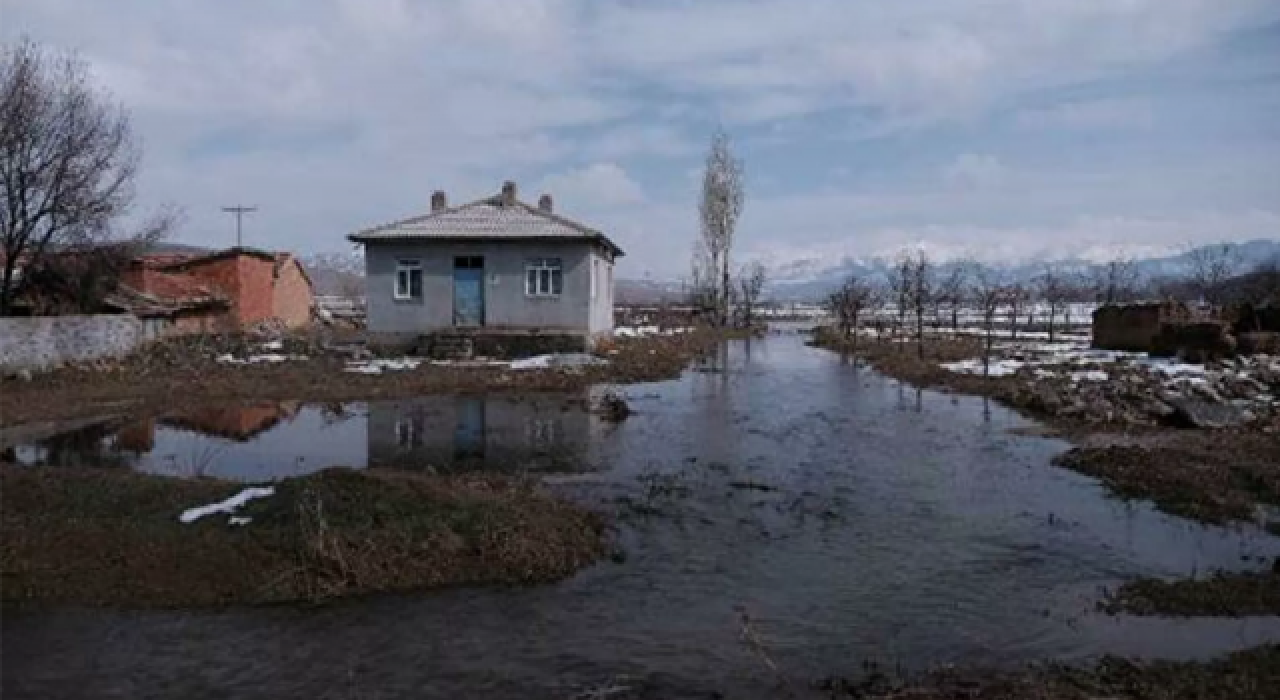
<point>1134,327</point>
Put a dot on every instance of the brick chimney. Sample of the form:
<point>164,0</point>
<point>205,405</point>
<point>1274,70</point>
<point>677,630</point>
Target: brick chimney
<point>508,193</point>
<point>544,203</point>
<point>438,201</point>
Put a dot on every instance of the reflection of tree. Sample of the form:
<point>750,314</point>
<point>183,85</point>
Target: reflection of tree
<point>90,446</point>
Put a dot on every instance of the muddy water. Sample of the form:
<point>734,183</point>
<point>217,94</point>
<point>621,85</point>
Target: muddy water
<point>778,508</point>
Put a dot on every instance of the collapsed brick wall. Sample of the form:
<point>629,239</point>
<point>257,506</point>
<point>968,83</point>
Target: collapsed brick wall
<point>291,295</point>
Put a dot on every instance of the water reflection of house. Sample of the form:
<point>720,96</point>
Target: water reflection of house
<point>241,423</point>
<point>545,432</point>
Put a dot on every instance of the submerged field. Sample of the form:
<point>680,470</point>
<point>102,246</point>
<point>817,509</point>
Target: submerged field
<point>775,516</point>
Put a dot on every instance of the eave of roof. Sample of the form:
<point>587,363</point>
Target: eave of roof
<point>403,230</point>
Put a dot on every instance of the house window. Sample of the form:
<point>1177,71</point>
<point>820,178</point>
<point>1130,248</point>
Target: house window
<point>409,431</point>
<point>408,279</point>
<point>543,277</point>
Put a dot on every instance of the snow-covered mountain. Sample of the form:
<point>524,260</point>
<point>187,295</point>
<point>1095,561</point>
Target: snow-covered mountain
<point>340,274</point>
<point>812,278</point>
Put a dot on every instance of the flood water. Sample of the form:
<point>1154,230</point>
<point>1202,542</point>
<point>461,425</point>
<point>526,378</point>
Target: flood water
<point>833,514</point>
<point>263,441</point>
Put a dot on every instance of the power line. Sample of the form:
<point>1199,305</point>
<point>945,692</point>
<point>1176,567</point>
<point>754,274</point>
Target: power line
<point>239,211</point>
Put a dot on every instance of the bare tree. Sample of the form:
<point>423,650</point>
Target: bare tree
<point>80,278</point>
<point>952,290</point>
<point>1016,297</point>
<point>1211,267</point>
<point>1054,290</point>
<point>719,210</point>
<point>920,293</point>
<point>750,286</point>
<point>703,294</point>
<point>849,302</point>
<point>67,163</point>
<point>1262,284</point>
<point>899,283</point>
<point>1114,282</point>
<point>989,292</point>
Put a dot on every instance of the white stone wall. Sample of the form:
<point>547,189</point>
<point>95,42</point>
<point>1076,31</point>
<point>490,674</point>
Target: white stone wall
<point>45,342</point>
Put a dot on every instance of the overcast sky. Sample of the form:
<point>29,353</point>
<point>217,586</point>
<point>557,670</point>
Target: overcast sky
<point>995,127</point>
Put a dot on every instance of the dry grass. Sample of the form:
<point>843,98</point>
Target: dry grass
<point>112,538</point>
<point>1213,477</point>
<point>1224,594</point>
<point>158,386</point>
<point>1247,675</point>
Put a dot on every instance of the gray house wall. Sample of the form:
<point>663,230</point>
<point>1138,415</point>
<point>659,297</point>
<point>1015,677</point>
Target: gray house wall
<point>545,432</point>
<point>601,315</point>
<point>506,306</point>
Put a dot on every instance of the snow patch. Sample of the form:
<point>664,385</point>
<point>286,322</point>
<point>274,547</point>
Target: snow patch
<point>558,361</point>
<point>378,366</point>
<point>998,368</point>
<point>191,515</point>
<point>230,359</point>
<point>1090,375</point>
<point>644,331</point>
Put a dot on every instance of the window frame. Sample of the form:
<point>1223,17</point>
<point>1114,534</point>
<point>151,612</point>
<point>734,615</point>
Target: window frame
<point>544,278</point>
<point>407,266</point>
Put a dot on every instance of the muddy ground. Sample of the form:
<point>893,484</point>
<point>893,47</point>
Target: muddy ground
<point>1247,675</point>
<point>107,537</point>
<point>176,373</point>
<point>1218,477</point>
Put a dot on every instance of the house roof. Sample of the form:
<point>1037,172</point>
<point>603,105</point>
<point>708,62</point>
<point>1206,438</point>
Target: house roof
<point>486,219</point>
<point>180,261</point>
<point>145,305</point>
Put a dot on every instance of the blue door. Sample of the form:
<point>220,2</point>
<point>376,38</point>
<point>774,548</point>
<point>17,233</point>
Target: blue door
<point>469,431</point>
<point>468,291</point>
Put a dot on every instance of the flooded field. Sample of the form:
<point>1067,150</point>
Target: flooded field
<point>776,508</point>
<point>262,441</point>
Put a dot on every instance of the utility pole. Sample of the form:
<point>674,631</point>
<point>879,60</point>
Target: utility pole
<point>239,211</point>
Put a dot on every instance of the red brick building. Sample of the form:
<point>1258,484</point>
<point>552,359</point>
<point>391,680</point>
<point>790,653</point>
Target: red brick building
<point>225,291</point>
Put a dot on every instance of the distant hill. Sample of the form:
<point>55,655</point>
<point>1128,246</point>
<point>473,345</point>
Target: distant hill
<point>811,280</point>
<point>339,274</point>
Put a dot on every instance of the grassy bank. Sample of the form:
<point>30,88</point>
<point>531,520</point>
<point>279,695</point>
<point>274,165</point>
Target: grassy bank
<point>171,375</point>
<point>1224,594</point>
<point>1212,477</point>
<point>1247,675</point>
<point>106,537</point>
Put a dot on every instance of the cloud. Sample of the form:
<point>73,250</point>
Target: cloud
<point>594,186</point>
<point>1111,113</point>
<point>335,114</point>
<point>975,170</point>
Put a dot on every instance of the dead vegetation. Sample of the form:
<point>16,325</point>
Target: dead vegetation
<point>1248,675</point>
<point>1223,594</point>
<point>1213,478</point>
<point>148,380</point>
<point>105,537</point>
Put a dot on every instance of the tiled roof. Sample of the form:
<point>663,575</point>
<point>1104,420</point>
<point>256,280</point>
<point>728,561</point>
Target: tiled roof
<point>182,262</point>
<point>485,219</point>
<point>144,304</point>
